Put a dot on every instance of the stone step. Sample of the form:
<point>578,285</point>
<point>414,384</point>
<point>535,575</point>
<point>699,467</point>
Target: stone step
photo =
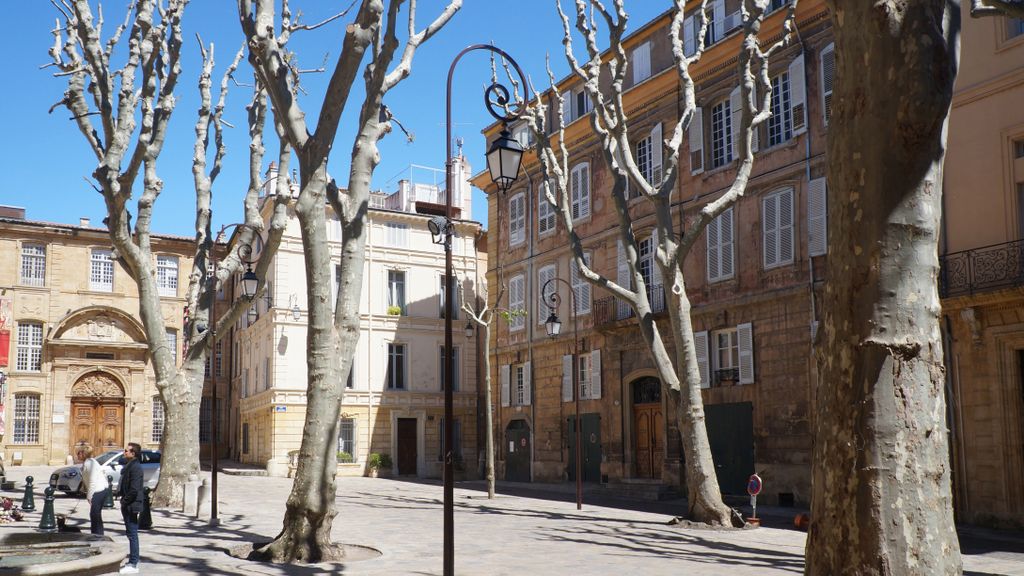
<point>652,491</point>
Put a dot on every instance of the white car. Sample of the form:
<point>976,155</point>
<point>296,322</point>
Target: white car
<point>69,478</point>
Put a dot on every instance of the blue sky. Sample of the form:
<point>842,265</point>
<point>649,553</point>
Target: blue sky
<point>48,158</point>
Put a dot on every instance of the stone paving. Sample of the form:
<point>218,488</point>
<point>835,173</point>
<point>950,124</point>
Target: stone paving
<point>525,530</point>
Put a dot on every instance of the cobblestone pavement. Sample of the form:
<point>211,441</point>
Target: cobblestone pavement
<point>525,530</point>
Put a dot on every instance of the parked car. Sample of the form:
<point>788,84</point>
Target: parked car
<point>69,478</point>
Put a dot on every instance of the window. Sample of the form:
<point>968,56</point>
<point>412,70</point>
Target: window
<point>544,275</point>
<point>583,363</point>
<point>828,71</point>
<point>158,420</point>
<point>396,366</point>
<point>731,357</point>
<point>523,135</point>
<point>1018,149</point>
<point>517,219</point>
<point>780,124</point>
<point>442,291</point>
<point>643,157</point>
<point>641,63</point>
<point>26,419</point>
<point>245,438</point>
<point>172,344</point>
<point>580,188</point>
<point>515,384</point>
<point>205,414</point>
<point>351,382</point>
<point>576,104</point>
<point>545,212</point>
<point>167,275</point>
<point>516,303</point>
<point>266,372</point>
<point>727,356</point>
<point>721,134</point>
<point>33,264</point>
<point>580,286</point>
<point>778,228</point>
<point>720,247</point>
<point>101,272</point>
<point>647,249</point>
<point>710,37</point>
<point>396,291</point>
<point>441,367</point>
<point>397,235</point>
<point>456,440</point>
<point>519,385</point>
<point>347,441</point>
<point>588,366</point>
<point>30,347</point>
<point>1014,27</point>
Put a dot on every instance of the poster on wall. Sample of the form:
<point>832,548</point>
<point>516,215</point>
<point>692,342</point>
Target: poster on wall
<point>5,332</point>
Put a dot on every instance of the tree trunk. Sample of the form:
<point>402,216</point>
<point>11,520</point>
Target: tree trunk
<point>488,413</point>
<point>179,446</point>
<point>881,500</point>
<point>306,532</point>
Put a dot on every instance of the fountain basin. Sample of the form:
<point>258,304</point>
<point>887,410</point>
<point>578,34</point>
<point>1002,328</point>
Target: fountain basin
<point>25,552</point>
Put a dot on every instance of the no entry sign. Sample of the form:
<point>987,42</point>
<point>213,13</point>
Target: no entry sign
<point>754,485</point>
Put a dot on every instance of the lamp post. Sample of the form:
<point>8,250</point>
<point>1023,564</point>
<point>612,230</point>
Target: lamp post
<point>554,328</point>
<point>249,284</point>
<point>503,160</point>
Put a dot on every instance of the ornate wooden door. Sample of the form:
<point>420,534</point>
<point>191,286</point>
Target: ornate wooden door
<point>96,425</point>
<point>649,428</point>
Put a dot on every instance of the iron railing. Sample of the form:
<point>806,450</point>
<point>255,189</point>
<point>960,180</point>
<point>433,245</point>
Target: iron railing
<point>726,375</point>
<point>982,269</point>
<point>611,309</point>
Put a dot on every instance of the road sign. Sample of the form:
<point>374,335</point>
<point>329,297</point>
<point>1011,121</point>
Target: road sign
<point>754,485</point>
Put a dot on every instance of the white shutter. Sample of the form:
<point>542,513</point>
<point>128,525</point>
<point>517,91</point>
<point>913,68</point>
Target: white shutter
<point>745,333</point>
<point>656,278</point>
<point>786,226</point>
<point>641,63</point>
<point>527,384</point>
<point>770,228</point>
<point>700,342</point>
<point>828,70</point>
<point>719,11</point>
<point>656,159</point>
<point>585,191</point>
<point>503,377</point>
<point>714,249</point>
<point>727,244</point>
<point>567,378</point>
<point>817,218</point>
<point>798,98</point>
<point>689,40</point>
<point>622,279</point>
<point>567,101</point>
<point>543,276</point>
<point>736,107</point>
<point>580,286</point>
<point>595,375</point>
<point>697,142</point>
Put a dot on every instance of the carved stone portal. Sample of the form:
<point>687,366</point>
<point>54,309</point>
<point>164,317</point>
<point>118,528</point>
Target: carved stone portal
<point>97,385</point>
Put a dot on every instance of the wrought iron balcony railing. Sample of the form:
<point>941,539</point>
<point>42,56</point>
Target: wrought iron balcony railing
<point>982,269</point>
<point>611,309</point>
<point>726,375</point>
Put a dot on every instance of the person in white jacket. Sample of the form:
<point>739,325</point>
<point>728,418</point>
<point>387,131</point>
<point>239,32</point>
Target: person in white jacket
<point>96,488</point>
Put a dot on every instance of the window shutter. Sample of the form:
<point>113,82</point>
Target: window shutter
<point>567,378</point>
<point>771,230</point>
<point>828,70</point>
<point>527,384</point>
<point>580,286</point>
<point>797,93</point>
<point>697,142</point>
<point>656,278</point>
<point>622,279</point>
<point>656,162</point>
<point>595,375</point>
<point>585,191</point>
<point>700,342</point>
<point>736,106</point>
<point>745,334</point>
<point>567,101</point>
<point>503,376</point>
<point>719,11</point>
<point>817,217</point>
<point>727,244</point>
<point>714,250</point>
<point>689,45</point>
<point>786,226</point>
<point>543,276</point>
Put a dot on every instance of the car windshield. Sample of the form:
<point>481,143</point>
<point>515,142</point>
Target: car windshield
<point>106,457</point>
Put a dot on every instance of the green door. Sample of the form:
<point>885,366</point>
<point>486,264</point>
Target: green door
<point>731,435</point>
<point>591,434</point>
<point>517,451</point>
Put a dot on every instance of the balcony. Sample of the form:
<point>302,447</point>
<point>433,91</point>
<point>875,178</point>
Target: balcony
<point>723,375</point>
<point>610,310</point>
<point>982,269</point>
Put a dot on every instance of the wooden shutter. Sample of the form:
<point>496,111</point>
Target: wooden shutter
<point>736,109</point>
<point>719,11</point>
<point>798,98</point>
<point>622,279</point>
<point>714,249</point>
<point>828,70</point>
<point>580,286</point>
<point>585,191</point>
<point>700,342</point>
<point>726,255</point>
<point>527,384</point>
<point>568,99</point>
<point>786,226</point>
<point>595,375</point>
<point>697,142</point>
<point>503,377</point>
<point>567,378</point>
<point>689,36</point>
<point>656,278</point>
<point>641,63</point>
<point>770,229</point>
<point>817,217</point>
<point>745,334</point>
<point>656,158</point>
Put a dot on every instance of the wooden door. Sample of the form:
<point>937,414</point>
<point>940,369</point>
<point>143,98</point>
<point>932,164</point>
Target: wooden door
<point>590,432</point>
<point>96,425</point>
<point>407,451</point>
<point>518,454</point>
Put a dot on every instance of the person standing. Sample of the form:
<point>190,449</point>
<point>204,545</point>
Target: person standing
<point>130,488</point>
<point>96,489</point>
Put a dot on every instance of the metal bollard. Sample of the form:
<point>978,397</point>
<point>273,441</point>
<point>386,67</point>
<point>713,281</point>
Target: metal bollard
<point>146,517</point>
<point>109,502</point>
<point>48,522</point>
<point>28,502</point>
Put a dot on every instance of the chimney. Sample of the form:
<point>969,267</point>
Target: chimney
<point>83,222</point>
<point>12,212</point>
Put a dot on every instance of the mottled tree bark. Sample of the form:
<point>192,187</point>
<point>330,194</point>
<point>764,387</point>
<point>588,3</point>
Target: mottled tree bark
<point>881,501</point>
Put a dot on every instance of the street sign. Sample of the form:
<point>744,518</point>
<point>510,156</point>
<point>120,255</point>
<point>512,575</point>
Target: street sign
<point>754,486</point>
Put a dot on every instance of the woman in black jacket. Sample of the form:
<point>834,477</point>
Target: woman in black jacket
<point>130,488</point>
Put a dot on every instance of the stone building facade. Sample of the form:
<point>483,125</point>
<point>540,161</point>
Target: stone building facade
<point>73,355</point>
<point>393,402</point>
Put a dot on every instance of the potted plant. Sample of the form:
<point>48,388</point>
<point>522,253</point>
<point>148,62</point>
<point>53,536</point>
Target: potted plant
<point>344,458</point>
<point>379,464</point>
<point>394,310</point>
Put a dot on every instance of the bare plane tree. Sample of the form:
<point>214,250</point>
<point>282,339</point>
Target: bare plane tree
<point>681,378</point>
<point>371,43</point>
<point>124,120</point>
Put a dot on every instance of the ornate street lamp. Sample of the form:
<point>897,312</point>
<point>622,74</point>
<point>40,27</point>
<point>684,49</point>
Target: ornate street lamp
<point>469,330</point>
<point>503,160</point>
<point>554,327</point>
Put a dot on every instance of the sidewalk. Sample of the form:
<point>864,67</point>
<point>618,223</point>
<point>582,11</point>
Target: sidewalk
<point>526,529</point>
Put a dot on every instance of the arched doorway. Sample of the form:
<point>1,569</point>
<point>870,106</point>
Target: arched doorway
<point>518,456</point>
<point>648,427</point>
<point>97,414</point>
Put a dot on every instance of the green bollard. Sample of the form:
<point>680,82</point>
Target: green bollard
<point>28,502</point>
<point>48,523</point>
<point>146,517</point>
<point>109,502</point>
